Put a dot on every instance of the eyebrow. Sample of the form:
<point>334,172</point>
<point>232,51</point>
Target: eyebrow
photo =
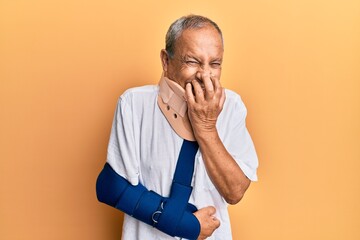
<point>189,56</point>
<point>217,60</point>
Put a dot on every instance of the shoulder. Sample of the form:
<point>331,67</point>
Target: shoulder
<point>234,110</point>
<point>233,100</point>
<point>141,91</point>
<point>139,95</point>
<point>230,94</point>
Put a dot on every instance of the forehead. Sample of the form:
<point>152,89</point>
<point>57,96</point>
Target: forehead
<point>205,41</point>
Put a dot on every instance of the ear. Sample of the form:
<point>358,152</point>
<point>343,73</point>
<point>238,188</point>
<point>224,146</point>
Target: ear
<point>164,57</point>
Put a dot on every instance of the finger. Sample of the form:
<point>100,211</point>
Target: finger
<point>211,210</point>
<point>216,223</point>
<point>189,93</point>
<point>217,84</point>
<point>209,86</point>
<point>219,90</point>
<point>199,93</point>
<point>222,98</point>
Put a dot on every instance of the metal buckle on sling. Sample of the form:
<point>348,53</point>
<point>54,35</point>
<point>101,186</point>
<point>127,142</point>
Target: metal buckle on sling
<point>155,216</point>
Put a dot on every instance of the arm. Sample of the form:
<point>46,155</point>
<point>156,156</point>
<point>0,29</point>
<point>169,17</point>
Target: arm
<point>223,170</point>
<point>203,111</point>
<point>169,215</point>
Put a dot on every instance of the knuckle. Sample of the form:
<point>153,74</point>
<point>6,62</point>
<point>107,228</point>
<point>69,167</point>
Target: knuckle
<point>212,209</point>
<point>210,91</point>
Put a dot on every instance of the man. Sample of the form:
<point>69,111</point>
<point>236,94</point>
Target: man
<point>149,129</point>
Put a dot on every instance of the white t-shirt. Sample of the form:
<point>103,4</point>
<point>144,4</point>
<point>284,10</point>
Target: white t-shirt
<point>144,148</point>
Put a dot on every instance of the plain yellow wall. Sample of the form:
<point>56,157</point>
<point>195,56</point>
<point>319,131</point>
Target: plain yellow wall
<point>63,65</point>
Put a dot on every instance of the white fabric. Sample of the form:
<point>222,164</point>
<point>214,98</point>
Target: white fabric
<point>143,147</point>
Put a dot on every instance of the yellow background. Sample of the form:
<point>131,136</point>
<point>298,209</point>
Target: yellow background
<point>63,65</point>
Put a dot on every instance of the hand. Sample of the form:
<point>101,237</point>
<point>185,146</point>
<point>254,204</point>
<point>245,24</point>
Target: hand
<point>208,222</point>
<point>204,105</point>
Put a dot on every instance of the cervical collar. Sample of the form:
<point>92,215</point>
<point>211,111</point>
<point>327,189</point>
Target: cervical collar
<point>171,100</point>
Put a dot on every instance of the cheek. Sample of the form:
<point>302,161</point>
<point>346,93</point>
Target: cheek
<point>217,73</point>
<point>187,72</point>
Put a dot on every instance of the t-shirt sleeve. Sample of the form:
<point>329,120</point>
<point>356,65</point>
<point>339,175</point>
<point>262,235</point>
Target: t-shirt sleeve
<point>238,141</point>
<point>121,153</point>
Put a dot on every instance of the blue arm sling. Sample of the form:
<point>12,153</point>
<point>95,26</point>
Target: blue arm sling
<point>172,215</point>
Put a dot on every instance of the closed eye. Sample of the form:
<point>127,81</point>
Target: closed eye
<point>216,65</point>
<point>192,63</point>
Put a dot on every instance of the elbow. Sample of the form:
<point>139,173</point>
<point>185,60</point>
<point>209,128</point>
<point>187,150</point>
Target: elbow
<point>99,188</point>
<point>106,188</point>
<point>233,199</point>
<point>236,194</point>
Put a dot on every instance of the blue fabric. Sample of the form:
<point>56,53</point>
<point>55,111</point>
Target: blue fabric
<point>172,215</point>
<point>185,164</point>
<point>180,192</point>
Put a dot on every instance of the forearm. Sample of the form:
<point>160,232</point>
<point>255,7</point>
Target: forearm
<point>222,168</point>
<point>204,108</point>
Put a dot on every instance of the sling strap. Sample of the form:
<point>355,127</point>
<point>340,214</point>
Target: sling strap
<point>172,215</point>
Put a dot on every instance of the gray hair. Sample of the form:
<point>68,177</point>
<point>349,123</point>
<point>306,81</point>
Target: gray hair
<point>183,23</point>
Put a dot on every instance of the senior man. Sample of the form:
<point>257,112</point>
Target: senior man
<point>179,152</point>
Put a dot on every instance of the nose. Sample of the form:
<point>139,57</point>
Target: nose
<point>203,73</point>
